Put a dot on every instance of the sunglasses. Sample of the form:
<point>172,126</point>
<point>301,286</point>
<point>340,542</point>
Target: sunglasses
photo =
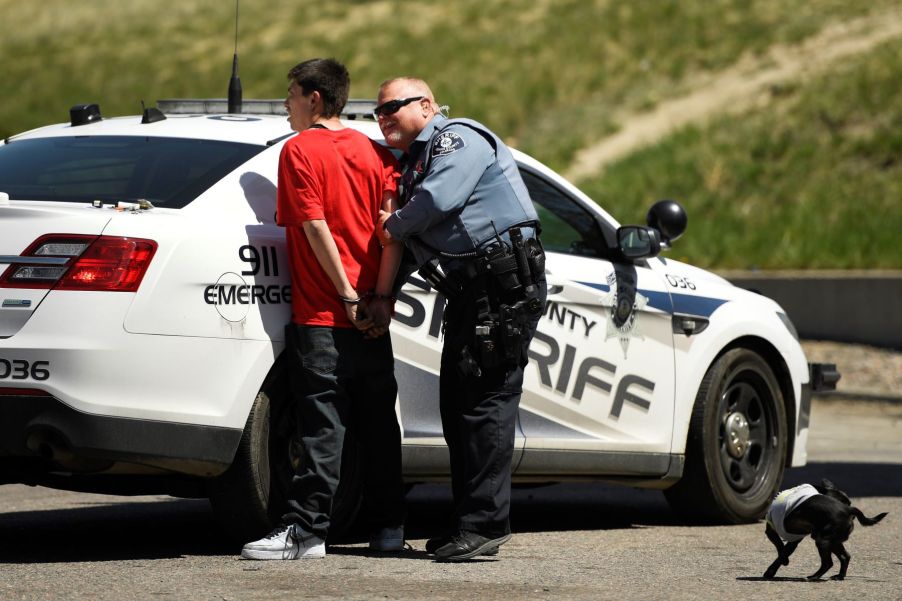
<point>393,106</point>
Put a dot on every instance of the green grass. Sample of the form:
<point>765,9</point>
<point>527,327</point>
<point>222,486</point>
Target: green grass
<point>813,180</point>
<point>550,76</point>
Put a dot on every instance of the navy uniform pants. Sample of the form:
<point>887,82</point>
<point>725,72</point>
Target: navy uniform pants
<point>340,378</point>
<point>479,416</point>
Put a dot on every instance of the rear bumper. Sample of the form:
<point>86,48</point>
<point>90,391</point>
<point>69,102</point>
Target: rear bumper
<point>44,428</point>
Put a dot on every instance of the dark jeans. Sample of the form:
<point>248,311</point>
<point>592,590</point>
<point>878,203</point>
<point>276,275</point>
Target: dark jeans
<point>479,415</point>
<point>339,378</point>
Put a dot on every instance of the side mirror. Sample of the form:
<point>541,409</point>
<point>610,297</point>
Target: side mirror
<point>669,218</point>
<point>638,242</point>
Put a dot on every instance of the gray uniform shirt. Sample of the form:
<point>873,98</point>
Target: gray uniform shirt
<point>461,185</point>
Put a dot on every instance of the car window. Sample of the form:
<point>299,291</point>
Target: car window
<point>169,172</point>
<point>566,226</point>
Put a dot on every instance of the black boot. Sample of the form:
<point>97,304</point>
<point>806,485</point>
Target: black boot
<point>433,545</point>
<point>466,545</point>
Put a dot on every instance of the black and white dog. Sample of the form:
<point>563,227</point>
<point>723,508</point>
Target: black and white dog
<point>824,512</point>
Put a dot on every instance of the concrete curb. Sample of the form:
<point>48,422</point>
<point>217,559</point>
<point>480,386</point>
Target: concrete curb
<point>845,395</point>
<point>863,307</point>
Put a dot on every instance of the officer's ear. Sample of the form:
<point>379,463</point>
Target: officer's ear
<point>426,108</point>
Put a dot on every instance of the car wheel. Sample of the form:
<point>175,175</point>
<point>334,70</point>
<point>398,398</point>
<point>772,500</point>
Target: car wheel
<point>249,498</point>
<point>736,445</point>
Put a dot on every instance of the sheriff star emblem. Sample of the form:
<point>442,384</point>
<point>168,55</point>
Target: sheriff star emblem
<point>623,319</point>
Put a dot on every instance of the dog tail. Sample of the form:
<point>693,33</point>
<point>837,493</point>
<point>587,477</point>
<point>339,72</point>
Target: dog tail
<point>866,521</point>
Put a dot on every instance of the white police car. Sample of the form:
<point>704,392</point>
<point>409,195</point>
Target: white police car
<point>144,288</point>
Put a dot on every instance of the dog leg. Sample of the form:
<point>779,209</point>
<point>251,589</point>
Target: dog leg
<point>823,549</point>
<point>771,570</point>
<point>781,560</point>
<point>844,558</point>
<point>788,550</point>
<point>783,551</point>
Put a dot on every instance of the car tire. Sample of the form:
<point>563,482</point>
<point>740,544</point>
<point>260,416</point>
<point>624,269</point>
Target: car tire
<point>250,497</point>
<point>736,445</point>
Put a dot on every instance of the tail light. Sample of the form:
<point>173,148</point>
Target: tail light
<point>78,262</point>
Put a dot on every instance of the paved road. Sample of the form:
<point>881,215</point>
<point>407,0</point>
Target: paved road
<point>576,541</point>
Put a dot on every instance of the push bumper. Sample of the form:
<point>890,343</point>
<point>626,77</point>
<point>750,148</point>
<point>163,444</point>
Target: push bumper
<point>823,376</point>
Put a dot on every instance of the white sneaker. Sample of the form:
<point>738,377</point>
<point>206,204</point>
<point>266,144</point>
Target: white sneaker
<point>286,542</point>
<point>388,539</point>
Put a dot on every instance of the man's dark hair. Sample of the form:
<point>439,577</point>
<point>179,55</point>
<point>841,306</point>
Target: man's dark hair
<point>328,77</point>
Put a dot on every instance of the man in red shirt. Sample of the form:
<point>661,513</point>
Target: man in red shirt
<point>333,181</point>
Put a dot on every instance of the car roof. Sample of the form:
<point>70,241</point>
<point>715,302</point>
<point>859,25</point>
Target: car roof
<point>261,122</point>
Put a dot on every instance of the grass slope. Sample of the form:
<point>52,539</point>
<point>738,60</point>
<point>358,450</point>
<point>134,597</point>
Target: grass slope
<point>813,179</point>
<point>549,76</point>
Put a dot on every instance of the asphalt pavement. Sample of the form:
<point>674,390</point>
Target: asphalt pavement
<point>571,541</point>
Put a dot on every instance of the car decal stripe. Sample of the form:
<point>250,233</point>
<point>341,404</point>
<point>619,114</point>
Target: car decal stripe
<point>702,306</point>
<point>688,304</point>
<point>537,426</point>
<point>597,286</point>
<point>658,300</point>
<point>418,395</point>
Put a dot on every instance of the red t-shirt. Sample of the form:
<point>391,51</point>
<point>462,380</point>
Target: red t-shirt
<point>338,176</point>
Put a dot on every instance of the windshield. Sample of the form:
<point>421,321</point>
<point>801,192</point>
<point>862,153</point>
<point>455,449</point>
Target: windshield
<point>169,172</point>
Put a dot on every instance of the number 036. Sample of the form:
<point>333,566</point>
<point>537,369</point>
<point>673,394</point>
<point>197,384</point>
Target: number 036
<point>18,369</point>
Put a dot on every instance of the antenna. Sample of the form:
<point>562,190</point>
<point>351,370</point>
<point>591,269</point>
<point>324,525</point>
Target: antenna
<point>234,82</point>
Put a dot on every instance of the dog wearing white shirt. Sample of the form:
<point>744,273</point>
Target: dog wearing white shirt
<point>824,512</point>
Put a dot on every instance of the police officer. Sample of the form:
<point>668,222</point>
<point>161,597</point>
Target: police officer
<point>467,218</point>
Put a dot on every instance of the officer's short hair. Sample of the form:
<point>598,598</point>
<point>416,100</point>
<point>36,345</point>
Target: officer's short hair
<point>328,77</point>
<point>414,82</point>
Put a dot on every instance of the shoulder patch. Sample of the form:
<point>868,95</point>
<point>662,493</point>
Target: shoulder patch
<point>446,143</point>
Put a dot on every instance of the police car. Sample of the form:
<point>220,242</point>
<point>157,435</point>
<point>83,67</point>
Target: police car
<point>145,286</point>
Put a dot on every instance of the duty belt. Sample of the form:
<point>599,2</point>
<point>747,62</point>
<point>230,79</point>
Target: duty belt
<point>514,267</point>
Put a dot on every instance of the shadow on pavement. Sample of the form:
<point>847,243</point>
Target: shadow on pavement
<point>599,506</point>
<point>174,528</point>
<point>777,579</point>
<point>856,479</point>
<point>122,531</point>
<point>556,507</point>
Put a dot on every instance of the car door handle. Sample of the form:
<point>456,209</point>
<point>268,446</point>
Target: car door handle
<point>555,289</point>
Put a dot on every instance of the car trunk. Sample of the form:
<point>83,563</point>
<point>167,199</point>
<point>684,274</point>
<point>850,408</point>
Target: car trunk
<point>21,224</point>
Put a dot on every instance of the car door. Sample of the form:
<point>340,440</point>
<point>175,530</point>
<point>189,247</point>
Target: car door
<point>417,342</point>
<point>598,393</point>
